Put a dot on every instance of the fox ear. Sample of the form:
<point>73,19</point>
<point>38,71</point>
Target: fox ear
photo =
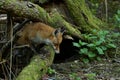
<point>56,31</point>
<point>62,30</point>
<point>59,30</point>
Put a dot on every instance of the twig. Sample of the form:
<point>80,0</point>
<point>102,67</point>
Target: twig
<point>17,27</point>
<point>13,38</point>
<point>106,10</point>
<point>2,42</point>
<point>2,31</point>
<point>10,24</point>
<point>20,46</point>
<point>3,61</point>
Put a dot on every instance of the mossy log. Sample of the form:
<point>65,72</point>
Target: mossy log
<point>38,65</point>
<point>38,1</point>
<point>82,15</point>
<point>35,12</point>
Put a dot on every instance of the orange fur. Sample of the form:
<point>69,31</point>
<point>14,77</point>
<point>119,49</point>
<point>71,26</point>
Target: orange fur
<point>40,33</point>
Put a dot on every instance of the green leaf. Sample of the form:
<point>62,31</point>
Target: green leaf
<point>91,45</point>
<point>82,43</point>
<point>91,54</point>
<point>93,37</point>
<point>51,71</point>
<point>106,32</point>
<point>98,58</point>
<point>116,34</point>
<point>91,75</point>
<point>100,51</point>
<point>118,11</point>
<point>102,33</point>
<point>78,78</point>
<point>86,60</point>
<point>94,31</point>
<point>116,16</point>
<point>84,51</point>
<point>86,36</point>
<point>98,42</point>
<point>76,44</point>
<point>111,45</point>
<point>104,48</point>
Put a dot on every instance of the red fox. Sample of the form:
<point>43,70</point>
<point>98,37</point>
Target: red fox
<point>37,33</point>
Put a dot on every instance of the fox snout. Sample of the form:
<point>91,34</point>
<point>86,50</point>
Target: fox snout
<point>57,51</point>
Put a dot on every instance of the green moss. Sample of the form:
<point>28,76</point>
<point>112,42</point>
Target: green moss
<point>40,1</point>
<point>40,14</point>
<point>83,16</point>
<point>38,66</point>
<point>60,22</point>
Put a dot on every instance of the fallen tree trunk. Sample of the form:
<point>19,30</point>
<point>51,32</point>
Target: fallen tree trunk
<point>38,1</point>
<point>82,15</point>
<point>35,12</point>
<point>38,65</point>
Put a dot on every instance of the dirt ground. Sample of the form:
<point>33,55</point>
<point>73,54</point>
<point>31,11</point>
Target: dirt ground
<point>106,69</point>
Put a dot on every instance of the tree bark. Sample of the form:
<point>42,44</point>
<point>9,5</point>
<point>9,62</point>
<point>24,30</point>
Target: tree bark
<point>82,15</point>
<point>38,65</point>
<point>21,9</point>
<point>39,1</point>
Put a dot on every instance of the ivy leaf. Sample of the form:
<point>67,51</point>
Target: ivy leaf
<point>117,17</point>
<point>86,60</point>
<point>82,43</point>
<point>118,12</point>
<point>91,45</point>
<point>98,42</point>
<point>111,45</point>
<point>76,44</point>
<point>91,75</point>
<point>93,37</point>
<point>116,34</point>
<point>104,48</point>
<point>78,78</point>
<point>100,51</point>
<point>84,51</point>
<point>91,54</point>
<point>98,58</point>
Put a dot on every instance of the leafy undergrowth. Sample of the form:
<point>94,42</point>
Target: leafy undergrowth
<point>108,68</point>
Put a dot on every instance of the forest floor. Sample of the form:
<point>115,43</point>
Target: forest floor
<point>106,69</point>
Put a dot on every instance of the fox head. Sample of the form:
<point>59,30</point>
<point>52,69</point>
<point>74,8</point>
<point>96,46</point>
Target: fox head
<point>57,39</point>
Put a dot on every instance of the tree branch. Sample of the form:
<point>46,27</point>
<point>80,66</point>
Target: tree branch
<point>35,12</point>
